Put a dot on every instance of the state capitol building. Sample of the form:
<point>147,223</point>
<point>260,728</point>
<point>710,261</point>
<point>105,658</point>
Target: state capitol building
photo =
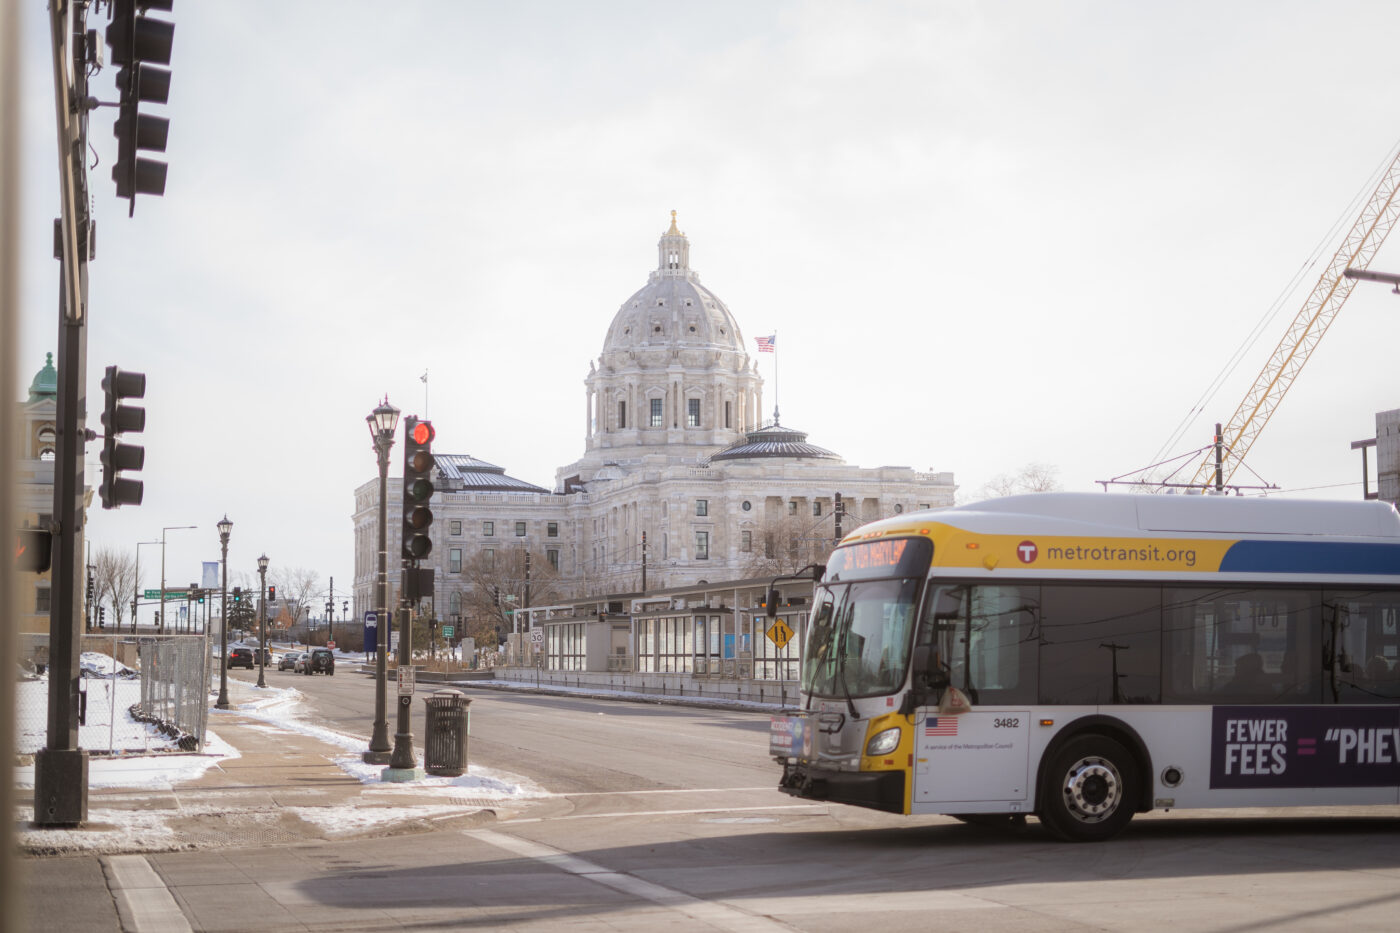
<point>681,481</point>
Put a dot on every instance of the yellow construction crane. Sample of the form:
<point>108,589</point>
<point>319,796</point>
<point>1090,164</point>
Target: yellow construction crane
<point>1328,295</point>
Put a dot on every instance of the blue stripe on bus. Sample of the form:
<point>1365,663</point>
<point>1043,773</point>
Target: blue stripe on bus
<point>1311,557</point>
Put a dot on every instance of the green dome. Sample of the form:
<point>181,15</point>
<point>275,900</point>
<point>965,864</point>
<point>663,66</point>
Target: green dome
<point>45,384</point>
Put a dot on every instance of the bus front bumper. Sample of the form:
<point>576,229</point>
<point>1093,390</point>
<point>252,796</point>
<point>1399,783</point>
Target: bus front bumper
<point>878,790</point>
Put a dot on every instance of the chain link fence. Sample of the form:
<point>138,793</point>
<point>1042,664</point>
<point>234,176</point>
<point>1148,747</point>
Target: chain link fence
<point>136,694</point>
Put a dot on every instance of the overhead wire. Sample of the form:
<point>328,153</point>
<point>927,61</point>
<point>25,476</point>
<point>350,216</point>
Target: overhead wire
<point>1275,308</point>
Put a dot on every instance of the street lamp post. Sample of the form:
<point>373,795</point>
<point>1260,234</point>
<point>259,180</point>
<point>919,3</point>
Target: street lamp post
<point>161,627</point>
<point>382,423</point>
<point>262,622</point>
<point>136,594</point>
<point>225,527</point>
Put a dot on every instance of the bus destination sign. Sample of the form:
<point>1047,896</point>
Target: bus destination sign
<point>888,557</point>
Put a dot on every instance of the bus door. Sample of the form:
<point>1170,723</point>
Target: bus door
<point>983,637</point>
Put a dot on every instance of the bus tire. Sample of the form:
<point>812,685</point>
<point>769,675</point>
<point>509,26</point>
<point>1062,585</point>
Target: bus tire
<point>1090,789</point>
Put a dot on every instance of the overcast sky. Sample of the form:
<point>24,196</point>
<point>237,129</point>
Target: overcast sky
<point>985,234</point>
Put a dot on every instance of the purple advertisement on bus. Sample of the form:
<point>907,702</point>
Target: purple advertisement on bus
<point>1304,746</point>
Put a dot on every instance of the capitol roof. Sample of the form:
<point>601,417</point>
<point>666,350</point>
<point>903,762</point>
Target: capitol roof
<point>774,440</point>
<point>467,472</point>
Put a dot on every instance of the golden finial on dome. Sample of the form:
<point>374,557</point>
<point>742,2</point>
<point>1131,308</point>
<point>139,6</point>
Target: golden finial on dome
<point>674,231</point>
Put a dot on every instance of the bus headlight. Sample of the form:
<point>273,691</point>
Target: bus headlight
<point>882,743</point>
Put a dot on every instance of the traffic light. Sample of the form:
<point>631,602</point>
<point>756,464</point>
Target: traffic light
<point>117,419</point>
<point>140,44</point>
<point>200,594</point>
<point>90,587</point>
<point>238,594</point>
<point>33,550</point>
<point>271,593</point>
<point>417,488</point>
<point>101,616</point>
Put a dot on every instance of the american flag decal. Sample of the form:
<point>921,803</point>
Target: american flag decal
<point>941,725</point>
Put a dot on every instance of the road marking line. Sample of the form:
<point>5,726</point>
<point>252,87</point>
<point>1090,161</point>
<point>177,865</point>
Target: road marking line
<point>719,915</point>
<point>599,816</point>
<point>143,901</point>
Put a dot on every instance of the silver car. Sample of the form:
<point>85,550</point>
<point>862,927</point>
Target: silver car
<point>288,661</point>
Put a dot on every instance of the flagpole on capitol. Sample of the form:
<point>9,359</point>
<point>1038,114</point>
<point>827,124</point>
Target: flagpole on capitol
<point>770,345</point>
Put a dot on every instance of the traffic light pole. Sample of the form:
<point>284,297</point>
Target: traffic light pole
<point>61,767</point>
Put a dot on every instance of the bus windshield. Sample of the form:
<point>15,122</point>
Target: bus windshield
<point>858,640</point>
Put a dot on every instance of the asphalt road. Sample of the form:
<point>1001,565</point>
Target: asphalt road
<point>666,817</point>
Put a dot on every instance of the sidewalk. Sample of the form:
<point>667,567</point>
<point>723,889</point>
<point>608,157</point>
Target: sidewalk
<point>270,779</point>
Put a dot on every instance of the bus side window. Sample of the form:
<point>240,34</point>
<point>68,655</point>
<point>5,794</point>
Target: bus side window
<point>1246,645</point>
<point>991,652</point>
<point>1360,646</point>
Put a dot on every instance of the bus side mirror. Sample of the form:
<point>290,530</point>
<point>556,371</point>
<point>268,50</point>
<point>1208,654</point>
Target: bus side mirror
<point>928,681</point>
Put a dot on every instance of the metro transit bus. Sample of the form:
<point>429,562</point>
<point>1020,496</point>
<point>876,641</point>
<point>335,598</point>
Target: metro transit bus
<point>1082,657</point>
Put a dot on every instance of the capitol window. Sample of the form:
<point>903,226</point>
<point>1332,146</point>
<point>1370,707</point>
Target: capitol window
<point>702,507</point>
<point>656,413</point>
<point>520,529</point>
<point>454,560</point>
<point>456,528</point>
<point>702,545</point>
<point>552,529</point>
<point>488,529</point>
<point>692,418</point>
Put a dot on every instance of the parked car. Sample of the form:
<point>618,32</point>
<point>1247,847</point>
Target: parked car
<point>240,656</point>
<point>266,656</point>
<point>288,661</point>
<point>319,660</point>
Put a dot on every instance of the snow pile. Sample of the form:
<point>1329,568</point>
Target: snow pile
<point>96,664</point>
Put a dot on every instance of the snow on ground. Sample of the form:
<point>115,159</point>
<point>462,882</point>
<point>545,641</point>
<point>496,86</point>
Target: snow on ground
<point>280,707</point>
<point>108,725</point>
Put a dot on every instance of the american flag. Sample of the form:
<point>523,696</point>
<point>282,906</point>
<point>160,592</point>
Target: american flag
<point>941,725</point>
<point>767,344</point>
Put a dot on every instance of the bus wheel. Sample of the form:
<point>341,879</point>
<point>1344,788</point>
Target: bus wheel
<point>1090,791</point>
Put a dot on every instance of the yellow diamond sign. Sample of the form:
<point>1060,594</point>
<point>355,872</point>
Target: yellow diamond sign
<point>779,633</point>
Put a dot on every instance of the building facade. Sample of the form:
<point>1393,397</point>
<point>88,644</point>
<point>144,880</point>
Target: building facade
<point>680,482</point>
<point>38,444</point>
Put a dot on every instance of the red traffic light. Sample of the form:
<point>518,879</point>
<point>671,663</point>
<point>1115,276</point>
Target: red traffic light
<point>423,432</point>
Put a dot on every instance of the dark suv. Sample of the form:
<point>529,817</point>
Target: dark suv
<point>240,657</point>
<point>320,660</point>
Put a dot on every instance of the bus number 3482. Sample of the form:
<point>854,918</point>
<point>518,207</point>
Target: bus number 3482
<point>1007,723</point>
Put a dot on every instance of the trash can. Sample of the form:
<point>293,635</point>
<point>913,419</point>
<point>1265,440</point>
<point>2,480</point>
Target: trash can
<point>445,748</point>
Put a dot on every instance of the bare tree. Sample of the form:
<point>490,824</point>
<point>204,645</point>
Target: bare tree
<point>494,585</point>
<point>786,543</point>
<point>1033,477</point>
<point>296,588</point>
<point>114,580</point>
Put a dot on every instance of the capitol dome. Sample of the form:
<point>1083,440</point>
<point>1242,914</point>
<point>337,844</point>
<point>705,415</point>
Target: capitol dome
<point>673,379</point>
<point>673,309</point>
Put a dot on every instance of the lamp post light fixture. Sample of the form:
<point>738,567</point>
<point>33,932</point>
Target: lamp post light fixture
<point>225,527</point>
<point>382,423</point>
<point>262,622</point>
<point>136,594</point>
<point>161,627</point>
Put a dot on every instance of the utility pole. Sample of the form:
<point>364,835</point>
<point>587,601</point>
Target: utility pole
<point>1114,648</point>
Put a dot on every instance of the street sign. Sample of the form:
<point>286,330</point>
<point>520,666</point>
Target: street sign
<point>447,631</point>
<point>406,681</point>
<point>169,594</point>
<point>537,637</point>
<point>371,618</point>
<point>779,633</point>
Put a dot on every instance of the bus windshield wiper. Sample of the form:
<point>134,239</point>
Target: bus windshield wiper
<point>845,688</point>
